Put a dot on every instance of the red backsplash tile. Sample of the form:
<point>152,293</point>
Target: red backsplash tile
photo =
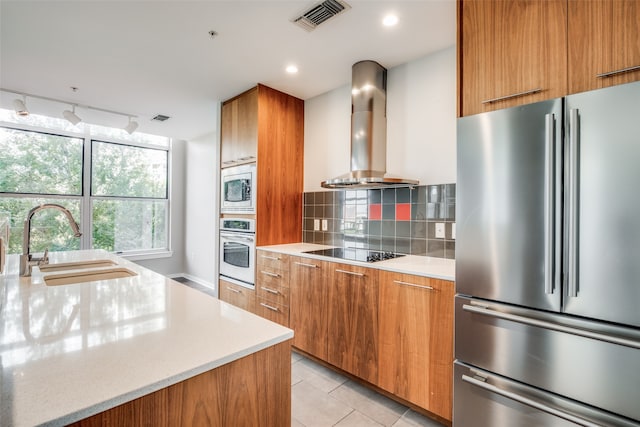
<point>375,211</point>
<point>403,212</point>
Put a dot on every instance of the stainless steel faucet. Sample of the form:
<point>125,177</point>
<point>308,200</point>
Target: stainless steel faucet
<point>27,261</point>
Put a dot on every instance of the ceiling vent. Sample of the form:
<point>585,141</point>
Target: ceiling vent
<point>160,118</point>
<point>320,13</point>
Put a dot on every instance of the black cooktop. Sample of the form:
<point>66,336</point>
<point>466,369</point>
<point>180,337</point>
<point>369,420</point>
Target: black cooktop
<point>354,254</point>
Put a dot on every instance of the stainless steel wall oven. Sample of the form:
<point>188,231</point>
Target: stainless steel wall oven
<point>238,250</point>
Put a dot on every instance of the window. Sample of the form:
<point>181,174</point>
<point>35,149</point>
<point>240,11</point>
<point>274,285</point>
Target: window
<point>117,191</point>
<point>129,197</point>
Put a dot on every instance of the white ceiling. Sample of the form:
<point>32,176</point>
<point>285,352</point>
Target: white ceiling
<point>156,57</point>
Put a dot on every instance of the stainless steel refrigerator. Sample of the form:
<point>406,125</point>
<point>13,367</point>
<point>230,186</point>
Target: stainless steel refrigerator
<point>547,310</point>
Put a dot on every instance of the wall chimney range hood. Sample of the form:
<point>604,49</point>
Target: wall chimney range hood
<point>368,131</point>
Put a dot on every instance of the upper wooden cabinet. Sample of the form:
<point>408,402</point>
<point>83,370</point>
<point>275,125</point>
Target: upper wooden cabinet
<point>416,340</point>
<point>510,53</point>
<point>266,126</point>
<point>604,48</point>
<point>522,51</point>
<point>239,129</point>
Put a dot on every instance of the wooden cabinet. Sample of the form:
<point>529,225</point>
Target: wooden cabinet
<point>272,286</point>
<point>239,129</point>
<point>237,295</point>
<point>603,43</point>
<point>511,53</point>
<point>522,51</point>
<point>353,320</point>
<point>308,309</point>
<point>252,391</point>
<point>416,340</point>
<point>266,126</point>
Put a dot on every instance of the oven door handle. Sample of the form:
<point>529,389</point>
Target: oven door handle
<point>237,238</point>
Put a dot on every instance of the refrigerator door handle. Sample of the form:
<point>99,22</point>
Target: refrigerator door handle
<point>549,208</point>
<point>527,401</point>
<point>572,270</point>
<point>486,311</point>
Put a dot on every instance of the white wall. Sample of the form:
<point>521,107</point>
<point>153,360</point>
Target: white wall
<point>201,219</point>
<point>175,263</point>
<point>421,124</point>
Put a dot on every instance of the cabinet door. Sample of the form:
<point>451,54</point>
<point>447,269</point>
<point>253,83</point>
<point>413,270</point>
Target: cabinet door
<point>237,295</point>
<point>353,320</point>
<point>603,43</point>
<point>512,53</point>
<point>416,340</point>
<point>239,129</point>
<point>308,303</point>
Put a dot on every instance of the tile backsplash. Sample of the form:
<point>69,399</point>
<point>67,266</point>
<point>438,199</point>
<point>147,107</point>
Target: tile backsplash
<point>404,219</point>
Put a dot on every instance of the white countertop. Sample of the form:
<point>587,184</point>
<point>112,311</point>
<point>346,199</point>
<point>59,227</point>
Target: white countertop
<point>70,351</point>
<point>437,268</point>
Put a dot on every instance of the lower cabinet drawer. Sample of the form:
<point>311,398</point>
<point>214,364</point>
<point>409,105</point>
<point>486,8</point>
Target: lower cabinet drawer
<point>269,292</point>
<point>237,295</point>
<point>273,311</point>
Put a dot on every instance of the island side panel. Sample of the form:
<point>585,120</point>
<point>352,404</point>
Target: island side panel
<point>254,390</point>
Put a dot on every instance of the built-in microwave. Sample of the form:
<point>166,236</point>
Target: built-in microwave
<point>238,189</point>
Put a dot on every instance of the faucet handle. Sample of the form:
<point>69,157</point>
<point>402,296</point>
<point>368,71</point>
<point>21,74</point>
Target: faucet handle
<point>45,257</point>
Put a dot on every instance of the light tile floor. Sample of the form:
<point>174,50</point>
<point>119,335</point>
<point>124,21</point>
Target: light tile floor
<point>321,397</point>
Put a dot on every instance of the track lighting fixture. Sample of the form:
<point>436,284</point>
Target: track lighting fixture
<point>132,126</point>
<point>20,106</point>
<point>71,116</point>
<point>21,109</point>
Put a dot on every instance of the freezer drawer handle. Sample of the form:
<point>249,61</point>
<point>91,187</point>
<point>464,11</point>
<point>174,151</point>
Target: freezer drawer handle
<point>399,282</point>
<point>514,95</point>
<point>552,326</point>
<point>527,401</point>
<point>235,291</point>
<point>623,70</point>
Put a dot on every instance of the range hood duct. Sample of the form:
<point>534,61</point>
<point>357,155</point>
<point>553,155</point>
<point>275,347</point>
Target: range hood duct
<point>368,131</point>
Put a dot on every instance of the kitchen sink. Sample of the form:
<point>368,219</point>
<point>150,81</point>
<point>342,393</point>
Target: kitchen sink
<point>77,265</point>
<point>87,276</point>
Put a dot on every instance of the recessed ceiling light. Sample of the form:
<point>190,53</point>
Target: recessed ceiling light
<point>291,69</point>
<point>390,20</point>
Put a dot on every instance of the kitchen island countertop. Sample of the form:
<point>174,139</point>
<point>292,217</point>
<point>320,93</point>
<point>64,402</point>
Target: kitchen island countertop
<point>70,351</point>
<point>437,268</point>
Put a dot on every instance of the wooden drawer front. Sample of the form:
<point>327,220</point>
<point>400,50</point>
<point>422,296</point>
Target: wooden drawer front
<point>237,295</point>
<point>270,260</point>
<point>272,277</point>
<point>273,311</point>
<point>277,294</point>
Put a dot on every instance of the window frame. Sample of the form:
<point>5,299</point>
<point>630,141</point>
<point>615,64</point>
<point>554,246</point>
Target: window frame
<point>86,198</point>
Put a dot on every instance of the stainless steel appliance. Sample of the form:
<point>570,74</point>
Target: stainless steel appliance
<point>238,189</point>
<point>368,131</point>
<point>547,311</point>
<point>238,250</point>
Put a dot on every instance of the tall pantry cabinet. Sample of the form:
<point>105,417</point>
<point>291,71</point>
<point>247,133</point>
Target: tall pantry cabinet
<point>266,126</point>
